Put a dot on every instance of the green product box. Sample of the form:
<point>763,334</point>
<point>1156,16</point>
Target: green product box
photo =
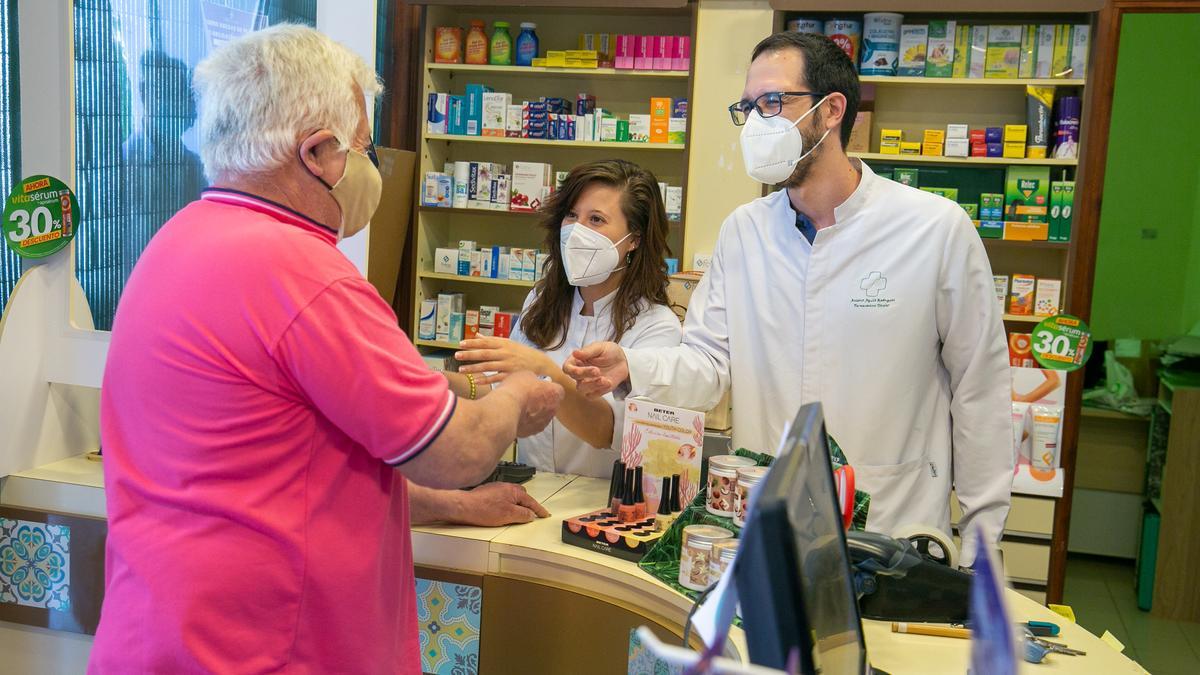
<point>1027,63</point>
<point>962,50</point>
<point>991,229</point>
<point>907,176</point>
<point>991,206</point>
<point>948,193</point>
<point>622,131</point>
<point>1067,215</point>
<point>939,55</point>
<point>1003,57</point>
<point>1027,194</point>
<point>885,174</point>
<point>1056,189</point>
<point>972,210</point>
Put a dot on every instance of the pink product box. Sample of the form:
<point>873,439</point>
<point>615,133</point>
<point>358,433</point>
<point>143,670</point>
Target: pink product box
<point>664,51</point>
<point>624,52</point>
<point>682,56</point>
<point>643,55</point>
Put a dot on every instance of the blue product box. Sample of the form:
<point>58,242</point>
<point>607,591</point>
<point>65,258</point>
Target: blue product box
<point>457,122</point>
<point>679,107</point>
<point>475,94</point>
<point>672,265</point>
<point>995,149</point>
<point>993,135</point>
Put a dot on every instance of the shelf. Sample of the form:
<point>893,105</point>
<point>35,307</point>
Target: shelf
<point>570,72</point>
<point>1010,243</point>
<point>982,161</point>
<point>1106,414</point>
<point>560,144</point>
<point>476,280</point>
<point>1024,319</point>
<point>435,343</point>
<point>970,82</point>
<point>480,212</point>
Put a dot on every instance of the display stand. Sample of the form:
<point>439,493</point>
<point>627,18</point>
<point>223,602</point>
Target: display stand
<point>619,91</point>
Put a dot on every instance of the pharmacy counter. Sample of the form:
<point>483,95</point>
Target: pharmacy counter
<point>516,599</point>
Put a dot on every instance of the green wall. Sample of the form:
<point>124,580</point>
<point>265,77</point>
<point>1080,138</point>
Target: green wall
<point>1149,288</point>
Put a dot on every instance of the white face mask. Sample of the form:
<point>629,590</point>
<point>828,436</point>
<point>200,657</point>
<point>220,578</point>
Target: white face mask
<point>589,258</point>
<point>773,146</point>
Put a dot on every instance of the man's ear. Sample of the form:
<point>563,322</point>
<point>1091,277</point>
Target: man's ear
<point>313,147</point>
<point>836,110</point>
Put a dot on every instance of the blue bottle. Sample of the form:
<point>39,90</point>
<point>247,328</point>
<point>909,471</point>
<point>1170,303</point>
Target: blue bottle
<point>527,44</point>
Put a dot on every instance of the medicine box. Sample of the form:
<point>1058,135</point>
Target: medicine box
<point>1015,133</point>
<point>956,131</point>
<point>487,319</point>
<point>907,176</point>
<point>948,193</point>
<point>1020,299</point>
<point>995,149</point>
<point>1016,230</point>
<point>639,128</point>
<point>1044,58</point>
<point>660,119</point>
<point>495,113</point>
<point>476,263</point>
<point>457,326</point>
<point>445,261</point>
<point>962,51</point>
<point>436,117</point>
<point>972,210</point>
<point>939,56</point>
<point>471,324</point>
<point>513,121</point>
<point>676,130</point>
<point>977,63</point>
<point>956,147</point>
<point>474,116</point>
<point>990,229</point>
<point>1048,297</point>
<point>889,148</point>
<point>934,136</point>
<point>427,325</point>
<point>891,136</point>
<point>1079,49</point>
<point>437,190</point>
<point>682,59</point>
<point>1060,61</point>
<point>910,148</point>
<point>1062,196</point>
<point>664,51</point>
<point>991,206</point>
<point>932,149</point>
<point>1000,281</point>
<point>530,185</point>
<point>1003,52</point>
<point>456,119</point>
<point>1014,151</point>
<point>1028,57</point>
<point>912,50</point>
<point>1027,194</point>
<point>673,201</point>
<point>643,52</point>
<point>993,135</point>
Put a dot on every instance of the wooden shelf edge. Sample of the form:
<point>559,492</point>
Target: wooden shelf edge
<point>972,81</point>
<point>434,343</point>
<point>1021,318</point>
<point>602,145</point>
<point>476,280</point>
<point>978,161</point>
<point>581,72</point>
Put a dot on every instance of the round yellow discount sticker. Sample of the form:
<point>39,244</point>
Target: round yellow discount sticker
<point>40,217</point>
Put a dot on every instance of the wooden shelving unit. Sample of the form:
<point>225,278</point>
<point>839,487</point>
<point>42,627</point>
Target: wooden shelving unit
<point>913,104</point>
<point>618,91</point>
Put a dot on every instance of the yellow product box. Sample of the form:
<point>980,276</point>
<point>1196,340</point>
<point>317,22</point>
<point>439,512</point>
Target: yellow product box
<point>889,148</point>
<point>1015,230</point>
<point>1021,294</point>
<point>890,135</point>
<point>538,63</point>
<point>1060,62</point>
<point>962,50</point>
<point>1016,133</point>
<point>1003,56</point>
<point>582,63</point>
<point>556,59</point>
<point>932,149</point>
<point>1014,150</point>
<point>587,54</point>
<point>907,148</point>
<point>660,120</point>
<point>935,135</point>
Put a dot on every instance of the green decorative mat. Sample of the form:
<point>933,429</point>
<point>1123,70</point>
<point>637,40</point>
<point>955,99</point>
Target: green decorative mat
<point>662,560</point>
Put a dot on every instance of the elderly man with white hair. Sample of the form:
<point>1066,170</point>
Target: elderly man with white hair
<point>261,410</point>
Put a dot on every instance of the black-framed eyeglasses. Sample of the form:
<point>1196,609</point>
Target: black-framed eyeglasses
<point>769,104</point>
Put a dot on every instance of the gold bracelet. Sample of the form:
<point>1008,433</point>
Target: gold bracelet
<point>471,381</point>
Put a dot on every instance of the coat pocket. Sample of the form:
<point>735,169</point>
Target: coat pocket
<point>901,494</point>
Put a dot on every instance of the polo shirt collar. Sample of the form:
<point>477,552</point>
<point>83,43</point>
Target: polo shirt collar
<point>266,206</point>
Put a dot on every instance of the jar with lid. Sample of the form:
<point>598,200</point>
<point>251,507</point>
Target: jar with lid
<point>748,479</point>
<point>476,45</point>
<point>722,476</point>
<point>723,553</point>
<point>695,554</point>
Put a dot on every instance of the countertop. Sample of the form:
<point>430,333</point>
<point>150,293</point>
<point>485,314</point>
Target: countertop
<point>535,551</point>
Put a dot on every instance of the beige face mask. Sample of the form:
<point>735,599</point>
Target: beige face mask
<point>357,193</point>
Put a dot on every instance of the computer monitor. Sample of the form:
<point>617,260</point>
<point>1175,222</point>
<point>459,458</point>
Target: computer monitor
<point>792,571</point>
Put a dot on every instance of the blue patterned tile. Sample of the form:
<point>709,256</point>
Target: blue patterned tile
<point>448,617</point>
<point>643,662</point>
<point>35,564</point>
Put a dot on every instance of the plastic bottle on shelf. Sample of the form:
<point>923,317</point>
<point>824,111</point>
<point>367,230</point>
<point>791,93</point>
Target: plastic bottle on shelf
<point>527,44</point>
<point>502,45</point>
<point>476,45</point>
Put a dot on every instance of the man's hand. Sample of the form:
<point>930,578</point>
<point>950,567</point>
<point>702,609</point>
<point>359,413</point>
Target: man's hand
<point>539,401</point>
<point>497,504</point>
<point>597,368</point>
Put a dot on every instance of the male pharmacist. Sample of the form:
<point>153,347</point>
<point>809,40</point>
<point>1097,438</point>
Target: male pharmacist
<point>871,297</point>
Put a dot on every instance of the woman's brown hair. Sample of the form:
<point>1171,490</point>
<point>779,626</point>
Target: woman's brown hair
<point>544,323</point>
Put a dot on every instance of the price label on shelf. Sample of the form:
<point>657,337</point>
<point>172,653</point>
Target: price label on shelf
<point>1062,342</point>
<point>40,217</point>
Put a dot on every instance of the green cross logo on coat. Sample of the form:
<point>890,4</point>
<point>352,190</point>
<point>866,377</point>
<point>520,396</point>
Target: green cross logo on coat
<point>873,284</point>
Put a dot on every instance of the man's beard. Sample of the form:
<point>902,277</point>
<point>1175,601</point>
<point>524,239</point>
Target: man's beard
<point>800,173</point>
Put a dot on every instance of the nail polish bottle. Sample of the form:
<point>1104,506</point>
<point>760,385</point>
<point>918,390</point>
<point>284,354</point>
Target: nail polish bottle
<point>627,512</point>
<point>663,519</point>
<point>639,496</point>
<point>675,505</point>
<point>614,486</point>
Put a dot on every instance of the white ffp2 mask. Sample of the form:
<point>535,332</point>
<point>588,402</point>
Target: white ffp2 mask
<point>773,146</point>
<point>588,256</point>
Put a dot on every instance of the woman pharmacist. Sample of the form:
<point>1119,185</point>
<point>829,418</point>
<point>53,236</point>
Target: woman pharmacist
<point>606,230</point>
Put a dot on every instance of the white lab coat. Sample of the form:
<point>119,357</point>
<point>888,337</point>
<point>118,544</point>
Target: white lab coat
<point>557,449</point>
<point>888,318</point>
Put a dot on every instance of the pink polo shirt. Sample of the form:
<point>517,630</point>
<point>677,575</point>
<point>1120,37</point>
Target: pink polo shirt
<point>257,397</point>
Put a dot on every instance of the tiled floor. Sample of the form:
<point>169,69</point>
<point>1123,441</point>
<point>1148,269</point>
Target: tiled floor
<point>1100,590</point>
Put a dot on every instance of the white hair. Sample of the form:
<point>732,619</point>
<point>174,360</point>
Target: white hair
<point>259,93</point>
